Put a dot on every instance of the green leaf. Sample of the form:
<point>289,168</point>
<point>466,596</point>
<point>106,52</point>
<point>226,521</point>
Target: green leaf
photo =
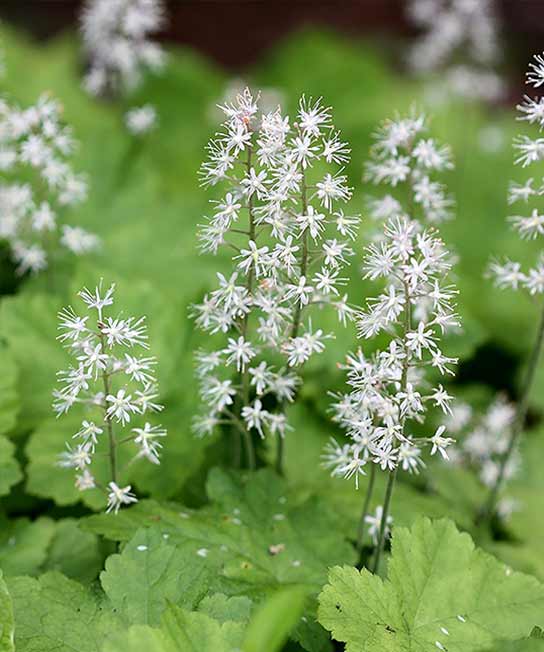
<point>180,631</point>
<point>273,621</point>
<point>9,396</point>
<point>29,547</point>
<point>73,552</point>
<point>222,608</point>
<point>44,476</point>
<point>24,544</point>
<point>148,573</point>
<point>525,645</point>
<point>10,473</point>
<point>28,323</point>
<point>253,537</point>
<point>7,629</point>
<point>56,614</point>
<point>440,591</point>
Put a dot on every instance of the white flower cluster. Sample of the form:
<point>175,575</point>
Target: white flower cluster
<point>280,215</point>
<point>389,389</point>
<point>114,386</point>
<point>453,30</point>
<point>35,147</point>
<point>484,438</point>
<point>403,155</point>
<point>508,273</point>
<point>116,40</point>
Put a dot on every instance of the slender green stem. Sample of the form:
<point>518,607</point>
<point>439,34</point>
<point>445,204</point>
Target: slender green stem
<point>250,450</point>
<point>393,473</point>
<point>304,257</point>
<point>304,253</point>
<point>385,514</point>
<point>488,508</point>
<point>246,435</point>
<point>279,453</point>
<point>303,265</point>
<point>109,425</point>
<point>366,505</point>
<point>236,448</point>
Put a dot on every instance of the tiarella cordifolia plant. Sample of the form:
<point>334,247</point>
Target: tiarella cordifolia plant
<point>460,39</point>
<point>38,184</point>
<point>482,440</point>
<point>390,390</point>
<point>117,42</point>
<point>115,390</point>
<point>280,216</point>
<point>510,274</point>
<point>405,159</point>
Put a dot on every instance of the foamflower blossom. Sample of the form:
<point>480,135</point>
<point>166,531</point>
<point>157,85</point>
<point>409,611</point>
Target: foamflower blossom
<point>390,390</point>
<point>111,381</point>
<point>404,157</point>
<point>459,41</point>
<point>117,42</point>
<point>282,216</point>
<point>39,185</point>
<point>118,496</point>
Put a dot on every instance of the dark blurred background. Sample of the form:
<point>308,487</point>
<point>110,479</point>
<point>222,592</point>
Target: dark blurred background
<point>235,33</point>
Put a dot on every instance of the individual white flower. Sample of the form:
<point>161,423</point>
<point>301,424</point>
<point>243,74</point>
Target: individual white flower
<point>220,393</point>
<point>253,258</point>
<point>255,416</point>
<point>89,433</point>
<point>313,221</point>
<point>239,351</point>
<point>75,458</point>
<point>146,439</point>
<point>141,120</point>
<point>85,481</point>
<point>205,425</point>
<point>118,496</point>
<point>535,74</point>
<point>440,443</point>
<point>507,274</point>
<point>300,291</point>
<point>261,377</point>
<point>78,240</point>
<point>374,522</point>
<point>529,227</point>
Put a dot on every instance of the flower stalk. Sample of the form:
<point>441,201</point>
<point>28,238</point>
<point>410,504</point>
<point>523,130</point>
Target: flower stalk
<point>118,386</point>
<point>262,308</point>
<point>488,508</point>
